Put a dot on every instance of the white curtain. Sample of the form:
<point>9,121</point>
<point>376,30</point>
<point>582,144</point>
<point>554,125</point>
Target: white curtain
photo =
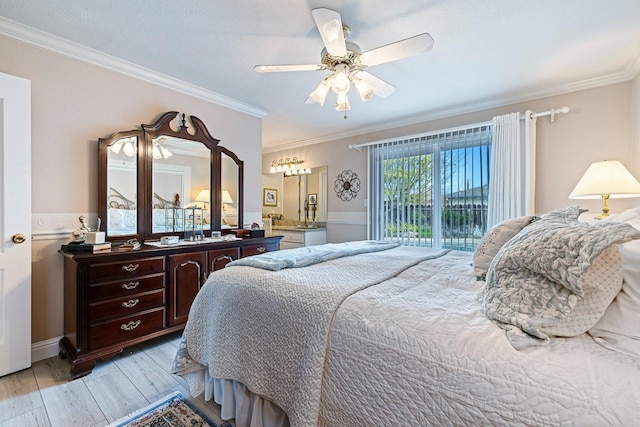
<point>513,164</point>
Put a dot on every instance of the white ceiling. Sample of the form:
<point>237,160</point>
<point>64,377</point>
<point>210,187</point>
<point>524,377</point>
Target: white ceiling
<point>486,53</point>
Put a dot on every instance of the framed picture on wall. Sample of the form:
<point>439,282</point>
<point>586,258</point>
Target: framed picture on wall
<point>312,198</point>
<point>270,197</point>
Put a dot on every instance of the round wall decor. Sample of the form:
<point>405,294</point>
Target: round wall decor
<point>347,185</point>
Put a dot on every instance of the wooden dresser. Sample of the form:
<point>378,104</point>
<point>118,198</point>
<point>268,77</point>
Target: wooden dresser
<point>117,299</point>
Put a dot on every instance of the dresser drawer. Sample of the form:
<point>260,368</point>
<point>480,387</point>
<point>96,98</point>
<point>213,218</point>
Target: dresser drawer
<point>293,237</point>
<point>258,249</point>
<point>125,306</point>
<point>125,328</point>
<point>123,288</point>
<point>131,268</point>
<point>219,258</point>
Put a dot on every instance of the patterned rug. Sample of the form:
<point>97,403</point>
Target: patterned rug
<point>171,411</point>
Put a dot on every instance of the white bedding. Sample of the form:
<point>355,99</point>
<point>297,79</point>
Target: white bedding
<point>417,350</point>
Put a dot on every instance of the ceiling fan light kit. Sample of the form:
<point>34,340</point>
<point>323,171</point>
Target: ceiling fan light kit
<point>347,63</point>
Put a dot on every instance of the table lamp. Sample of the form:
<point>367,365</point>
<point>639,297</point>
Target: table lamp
<point>606,179</point>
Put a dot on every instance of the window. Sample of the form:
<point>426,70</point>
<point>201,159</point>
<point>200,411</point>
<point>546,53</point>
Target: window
<point>431,190</point>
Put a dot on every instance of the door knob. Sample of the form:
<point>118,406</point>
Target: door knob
<point>18,238</point>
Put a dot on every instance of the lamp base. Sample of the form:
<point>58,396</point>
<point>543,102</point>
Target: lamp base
<point>605,207</point>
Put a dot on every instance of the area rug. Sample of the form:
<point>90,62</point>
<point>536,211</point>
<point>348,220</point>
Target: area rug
<point>171,411</point>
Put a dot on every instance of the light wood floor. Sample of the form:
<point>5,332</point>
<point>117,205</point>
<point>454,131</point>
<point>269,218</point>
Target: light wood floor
<point>43,395</point>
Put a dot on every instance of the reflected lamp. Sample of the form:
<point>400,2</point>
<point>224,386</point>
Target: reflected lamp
<point>204,197</point>
<point>226,199</point>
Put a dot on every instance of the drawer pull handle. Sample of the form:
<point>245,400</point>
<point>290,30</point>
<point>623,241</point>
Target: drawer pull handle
<point>131,303</point>
<point>130,285</point>
<point>131,325</point>
<point>261,249</point>
<point>130,267</point>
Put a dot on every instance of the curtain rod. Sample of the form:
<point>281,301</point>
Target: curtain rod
<point>419,135</point>
<point>551,113</point>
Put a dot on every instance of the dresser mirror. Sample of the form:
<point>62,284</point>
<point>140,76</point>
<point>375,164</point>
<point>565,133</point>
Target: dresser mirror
<point>153,182</point>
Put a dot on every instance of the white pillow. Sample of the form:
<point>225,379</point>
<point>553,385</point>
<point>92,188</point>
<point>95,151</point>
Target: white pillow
<point>493,240</point>
<point>600,283</point>
<point>619,327</point>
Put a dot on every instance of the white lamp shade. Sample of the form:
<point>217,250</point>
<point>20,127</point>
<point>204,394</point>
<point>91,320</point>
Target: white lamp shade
<point>203,196</point>
<point>606,177</point>
<point>226,197</point>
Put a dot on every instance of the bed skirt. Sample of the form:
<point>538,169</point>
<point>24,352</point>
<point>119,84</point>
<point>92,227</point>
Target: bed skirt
<point>239,403</point>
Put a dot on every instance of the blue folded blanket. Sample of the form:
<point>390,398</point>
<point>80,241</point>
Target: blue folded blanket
<point>309,255</point>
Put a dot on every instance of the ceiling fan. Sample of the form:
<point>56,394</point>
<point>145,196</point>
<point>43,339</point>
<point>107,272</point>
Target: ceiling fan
<point>348,63</point>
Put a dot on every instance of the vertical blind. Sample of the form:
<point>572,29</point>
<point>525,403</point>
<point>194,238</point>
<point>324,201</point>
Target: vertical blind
<point>431,190</point>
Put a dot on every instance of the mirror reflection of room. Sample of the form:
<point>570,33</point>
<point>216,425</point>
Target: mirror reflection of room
<point>181,179</point>
<point>230,195</point>
<point>122,184</point>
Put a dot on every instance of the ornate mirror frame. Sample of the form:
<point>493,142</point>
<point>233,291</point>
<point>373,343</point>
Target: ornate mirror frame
<point>144,174</point>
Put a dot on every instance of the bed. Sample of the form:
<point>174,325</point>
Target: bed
<point>371,333</point>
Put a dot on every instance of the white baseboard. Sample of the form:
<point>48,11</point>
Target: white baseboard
<point>45,349</point>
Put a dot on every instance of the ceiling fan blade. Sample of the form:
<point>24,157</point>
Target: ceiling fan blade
<point>380,87</point>
<point>330,27</point>
<point>401,49</point>
<point>282,68</point>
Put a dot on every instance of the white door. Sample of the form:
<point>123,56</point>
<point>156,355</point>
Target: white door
<point>15,224</point>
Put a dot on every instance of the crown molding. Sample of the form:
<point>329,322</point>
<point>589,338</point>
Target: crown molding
<point>65,47</point>
<point>622,76</point>
<point>634,65</point>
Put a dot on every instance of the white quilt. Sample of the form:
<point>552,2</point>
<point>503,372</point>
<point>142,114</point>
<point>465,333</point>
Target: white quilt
<point>269,329</point>
<point>413,349</point>
<point>417,351</point>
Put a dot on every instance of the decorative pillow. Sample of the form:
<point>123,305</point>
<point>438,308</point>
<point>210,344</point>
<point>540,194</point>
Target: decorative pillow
<point>601,283</point>
<point>565,214</point>
<point>539,276</point>
<point>619,327</point>
<point>494,239</point>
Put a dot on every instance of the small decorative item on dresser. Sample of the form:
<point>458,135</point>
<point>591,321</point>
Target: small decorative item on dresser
<point>256,232</point>
<point>86,247</point>
<point>79,235</point>
<point>130,245</point>
<point>169,240</point>
<point>240,232</point>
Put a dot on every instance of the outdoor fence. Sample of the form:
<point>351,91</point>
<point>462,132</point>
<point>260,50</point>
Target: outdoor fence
<point>461,225</point>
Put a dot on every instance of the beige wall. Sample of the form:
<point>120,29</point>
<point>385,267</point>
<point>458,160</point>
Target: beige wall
<point>635,123</point>
<point>598,127</point>
<point>73,104</point>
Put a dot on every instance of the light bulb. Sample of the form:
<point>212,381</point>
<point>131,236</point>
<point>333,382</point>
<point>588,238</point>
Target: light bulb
<point>340,83</point>
<point>365,90</point>
<point>129,149</point>
<point>342,102</point>
<point>319,94</point>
